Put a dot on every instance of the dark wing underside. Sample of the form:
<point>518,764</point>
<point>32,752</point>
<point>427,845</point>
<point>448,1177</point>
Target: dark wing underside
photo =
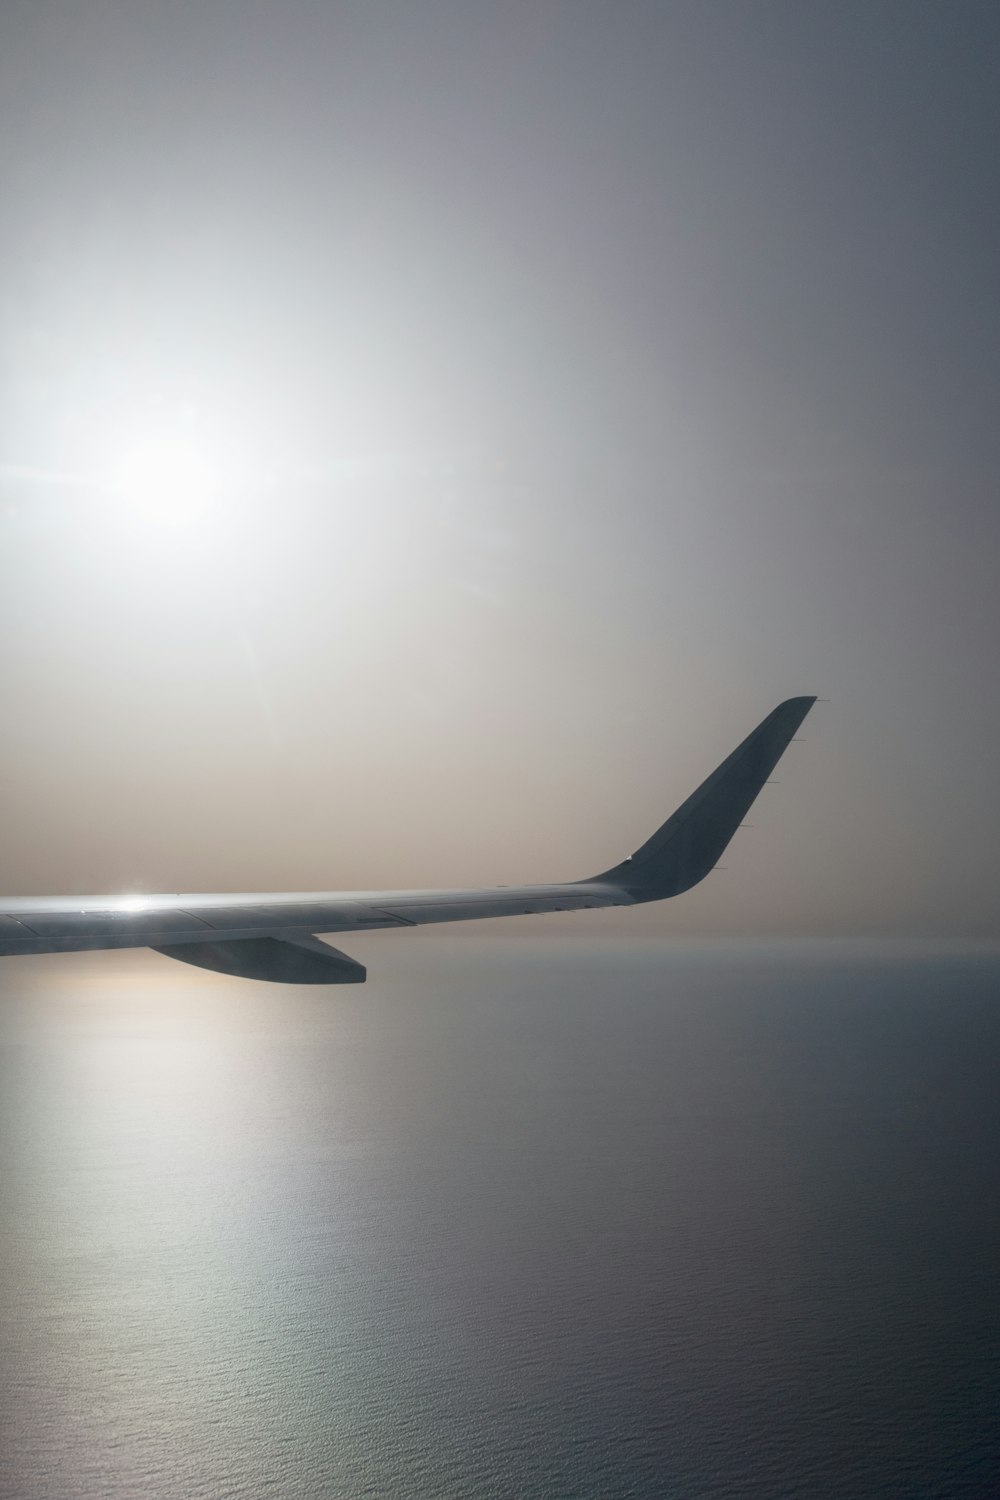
<point>284,960</point>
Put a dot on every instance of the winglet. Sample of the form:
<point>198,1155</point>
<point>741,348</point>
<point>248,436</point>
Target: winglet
<point>689,843</point>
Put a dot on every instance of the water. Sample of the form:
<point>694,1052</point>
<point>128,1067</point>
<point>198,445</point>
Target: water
<point>518,1218</point>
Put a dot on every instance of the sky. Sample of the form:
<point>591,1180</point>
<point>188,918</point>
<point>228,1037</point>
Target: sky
<point>431,436</point>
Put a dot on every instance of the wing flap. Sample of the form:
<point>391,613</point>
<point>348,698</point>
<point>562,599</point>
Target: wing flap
<point>513,901</point>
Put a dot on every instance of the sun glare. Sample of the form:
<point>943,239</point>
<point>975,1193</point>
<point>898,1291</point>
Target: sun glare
<point>131,903</point>
<point>167,479</point>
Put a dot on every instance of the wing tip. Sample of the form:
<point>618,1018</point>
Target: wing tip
<point>801,704</point>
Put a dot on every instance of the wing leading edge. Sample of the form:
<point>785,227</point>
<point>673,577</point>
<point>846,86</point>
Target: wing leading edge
<point>274,936</point>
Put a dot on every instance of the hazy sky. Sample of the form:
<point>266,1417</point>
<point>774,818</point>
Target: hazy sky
<point>557,388</point>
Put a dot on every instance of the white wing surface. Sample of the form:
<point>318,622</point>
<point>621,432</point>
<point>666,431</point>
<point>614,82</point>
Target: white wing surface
<point>273,936</point>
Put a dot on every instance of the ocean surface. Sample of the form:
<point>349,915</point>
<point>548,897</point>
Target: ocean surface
<point>521,1217</point>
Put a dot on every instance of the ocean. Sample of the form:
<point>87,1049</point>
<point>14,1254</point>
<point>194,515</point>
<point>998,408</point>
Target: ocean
<point>521,1217</point>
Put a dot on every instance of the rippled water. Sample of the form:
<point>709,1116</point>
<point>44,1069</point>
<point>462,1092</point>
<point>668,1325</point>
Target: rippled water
<point>518,1218</point>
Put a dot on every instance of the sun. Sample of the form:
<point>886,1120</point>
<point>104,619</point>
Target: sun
<point>166,478</point>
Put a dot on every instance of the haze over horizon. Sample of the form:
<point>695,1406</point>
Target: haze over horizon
<point>431,439</point>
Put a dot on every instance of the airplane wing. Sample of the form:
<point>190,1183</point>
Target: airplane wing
<point>274,936</point>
